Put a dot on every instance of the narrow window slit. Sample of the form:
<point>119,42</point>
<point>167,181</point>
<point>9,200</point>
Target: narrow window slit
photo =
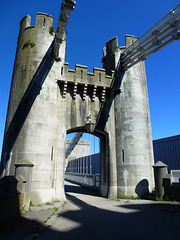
<point>81,74</point>
<point>99,77</point>
<point>61,70</point>
<point>52,154</point>
<point>123,155</point>
<point>44,22</point>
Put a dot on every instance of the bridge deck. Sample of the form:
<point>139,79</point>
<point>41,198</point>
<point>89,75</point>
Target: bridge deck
<point>88,216</point>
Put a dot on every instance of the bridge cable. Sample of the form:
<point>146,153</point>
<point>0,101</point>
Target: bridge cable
<point>159,36</point>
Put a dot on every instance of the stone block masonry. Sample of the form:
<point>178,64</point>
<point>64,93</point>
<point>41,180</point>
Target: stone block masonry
<point>48,100</point>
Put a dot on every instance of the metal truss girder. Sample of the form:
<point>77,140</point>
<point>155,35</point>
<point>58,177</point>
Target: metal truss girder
<point>66,7</point>
<point>163,33</point>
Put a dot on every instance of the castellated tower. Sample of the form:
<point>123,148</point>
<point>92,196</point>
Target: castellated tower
<point>134,151</point>
<point>38,140</point>
<point>48,100</point>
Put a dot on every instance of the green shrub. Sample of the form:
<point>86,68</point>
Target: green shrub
<point>28,43</point>
<point>58,59</point>
<point>51,30</point>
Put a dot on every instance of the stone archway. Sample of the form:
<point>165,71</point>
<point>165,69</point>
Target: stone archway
<point>48,99</point>
<point>104,158</point>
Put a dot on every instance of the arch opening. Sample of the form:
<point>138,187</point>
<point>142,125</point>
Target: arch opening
<point>88,163</point>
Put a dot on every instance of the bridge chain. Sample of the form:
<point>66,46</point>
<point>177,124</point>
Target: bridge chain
<point>159,36</point>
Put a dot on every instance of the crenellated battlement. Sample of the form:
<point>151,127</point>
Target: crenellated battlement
<point>43,21</point>
<point>81,75</point>
<point>42,30</point>
<point>83,82</point>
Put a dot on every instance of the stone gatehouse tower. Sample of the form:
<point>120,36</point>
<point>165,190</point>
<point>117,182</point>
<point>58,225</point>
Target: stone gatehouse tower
<point>48,100</point>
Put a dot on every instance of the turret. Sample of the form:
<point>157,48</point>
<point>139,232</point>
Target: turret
<point>134,152</point>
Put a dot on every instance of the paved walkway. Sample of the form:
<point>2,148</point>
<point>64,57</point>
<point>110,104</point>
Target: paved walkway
<point>88,216</point>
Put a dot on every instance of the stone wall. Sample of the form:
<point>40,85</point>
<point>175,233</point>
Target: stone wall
<point>81,149</point>
<point>9,200</point>
<point>48,100</point>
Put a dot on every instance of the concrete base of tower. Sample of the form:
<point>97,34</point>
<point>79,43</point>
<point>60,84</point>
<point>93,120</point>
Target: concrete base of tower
<point>47,195</point>
<point>140,190</point>
<point>112,194</point>
<point>104,190</point>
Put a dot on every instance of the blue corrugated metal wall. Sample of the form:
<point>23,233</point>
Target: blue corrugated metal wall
<point>167,150</point>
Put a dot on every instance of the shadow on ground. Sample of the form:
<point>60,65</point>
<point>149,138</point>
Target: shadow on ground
<point>70,188</point>
<point>130,219</point>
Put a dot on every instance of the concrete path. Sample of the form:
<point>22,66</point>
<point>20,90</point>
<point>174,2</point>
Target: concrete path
<point>88,216</point>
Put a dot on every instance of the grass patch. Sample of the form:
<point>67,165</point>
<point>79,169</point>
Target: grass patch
<point>56,209</point>
<point>166,199</point>
<point>159,199</point>
<point>48,203</point>
<point>135,198</point>
<point>64,203</point>
<point>118,200</point>
<point>31,204</point>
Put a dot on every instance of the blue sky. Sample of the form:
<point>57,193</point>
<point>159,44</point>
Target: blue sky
<point>91,25</point>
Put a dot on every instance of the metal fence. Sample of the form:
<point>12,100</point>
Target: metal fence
<point>87,180</point>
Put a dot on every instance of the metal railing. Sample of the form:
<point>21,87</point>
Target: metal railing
<point>87,180</point>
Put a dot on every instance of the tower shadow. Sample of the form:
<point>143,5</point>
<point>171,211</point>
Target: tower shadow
<point>25,105</point>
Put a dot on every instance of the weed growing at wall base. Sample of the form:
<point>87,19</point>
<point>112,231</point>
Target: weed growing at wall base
<point>48,203</point>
